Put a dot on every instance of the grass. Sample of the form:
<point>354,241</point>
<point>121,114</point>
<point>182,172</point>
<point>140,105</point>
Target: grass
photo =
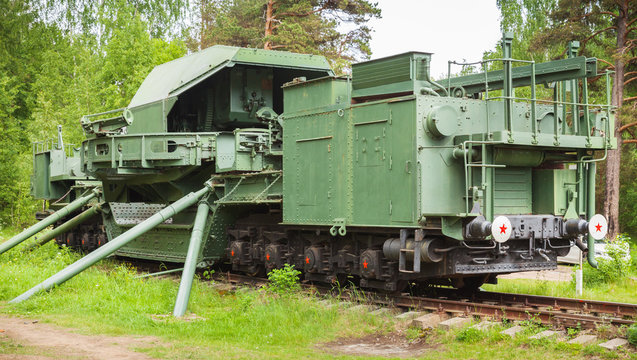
<point>621,291</point>
<point>469,343</point>
<point>256,324</point>
<point>107,299</point>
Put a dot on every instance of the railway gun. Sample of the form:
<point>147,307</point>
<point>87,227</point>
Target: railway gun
<point>260,158</point>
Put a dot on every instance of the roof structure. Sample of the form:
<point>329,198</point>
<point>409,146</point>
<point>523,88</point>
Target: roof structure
<point>174,77</point>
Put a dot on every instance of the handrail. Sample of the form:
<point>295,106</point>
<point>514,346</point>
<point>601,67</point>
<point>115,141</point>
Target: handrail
<point>559,100</point>
<point>49,144</point>
<point>468,166</point>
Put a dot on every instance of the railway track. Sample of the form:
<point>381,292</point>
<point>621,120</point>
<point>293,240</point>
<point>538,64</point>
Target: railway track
<point>555,311</point>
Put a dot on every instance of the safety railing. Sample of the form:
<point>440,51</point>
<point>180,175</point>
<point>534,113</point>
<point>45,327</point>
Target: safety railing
<point>51,144</point>
<point>559,100</point>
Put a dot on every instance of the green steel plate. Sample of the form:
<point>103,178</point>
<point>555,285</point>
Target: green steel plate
<point>176,76</point>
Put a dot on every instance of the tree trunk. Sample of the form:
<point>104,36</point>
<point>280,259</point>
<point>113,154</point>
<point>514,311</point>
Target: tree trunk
<point>613,162</point>
<point>202,27</point>
<point>269,24</point>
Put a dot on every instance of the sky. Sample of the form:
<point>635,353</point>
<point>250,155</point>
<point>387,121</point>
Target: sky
<point>460,30</point>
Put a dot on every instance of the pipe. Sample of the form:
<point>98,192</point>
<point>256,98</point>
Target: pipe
<point>181,304</point>
<point>60,144</point>
<point>69,225</point>
<point>113,245</point>
<point>430,80</point>
<point>590,209</point>
<point>158,273</point>
<point>430,91</point>
<point>581,245</point>
<point>542,253</point>
<point>49,220</point>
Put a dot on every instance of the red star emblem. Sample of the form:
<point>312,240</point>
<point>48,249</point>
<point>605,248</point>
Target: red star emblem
<point>503,229</point>
<point>598,227</point>
<point>365,264</point>
<point>267,257</point>
<point>307,260</point>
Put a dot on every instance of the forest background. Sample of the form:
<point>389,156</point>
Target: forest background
<point>63,59</point>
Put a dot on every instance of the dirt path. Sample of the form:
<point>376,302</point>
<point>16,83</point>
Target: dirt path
<point>52,342</point>
<point>394,345</point>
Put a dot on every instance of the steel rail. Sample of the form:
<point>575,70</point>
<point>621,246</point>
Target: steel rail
<point>502,312</point>
<point>561,312</point>
<point>555,303</point>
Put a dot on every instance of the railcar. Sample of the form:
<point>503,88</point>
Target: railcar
<point>260,158</point>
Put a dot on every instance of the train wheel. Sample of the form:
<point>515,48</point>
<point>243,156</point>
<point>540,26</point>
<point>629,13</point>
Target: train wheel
<point>85,245</point>
<point>61,239</point>
<point>101,240</point>
<point>69,240</point>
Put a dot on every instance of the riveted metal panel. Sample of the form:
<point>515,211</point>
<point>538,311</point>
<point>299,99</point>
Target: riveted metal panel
<point>371,198</point>
<point>338,165</point>
<point>313,194</point>
<point>325,92</point>
<point>403,173</point>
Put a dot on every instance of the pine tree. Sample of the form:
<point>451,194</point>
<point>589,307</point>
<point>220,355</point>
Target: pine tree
<point>603,26</point>
<point>307,26</point>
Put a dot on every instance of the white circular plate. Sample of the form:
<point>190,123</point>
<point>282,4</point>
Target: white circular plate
<point>598,226</point>
<point>501,229</point>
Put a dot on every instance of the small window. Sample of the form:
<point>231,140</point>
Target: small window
<point>172,146</point>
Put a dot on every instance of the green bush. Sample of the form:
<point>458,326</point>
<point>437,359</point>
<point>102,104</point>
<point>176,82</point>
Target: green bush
<point>470,335</point>
<point>613,268</point>
<point>285,280</point>
<point>632,334</point>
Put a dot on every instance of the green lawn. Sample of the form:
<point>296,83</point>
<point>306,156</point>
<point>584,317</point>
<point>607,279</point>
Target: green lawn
<point>621,291</point>
<point>108,299</point>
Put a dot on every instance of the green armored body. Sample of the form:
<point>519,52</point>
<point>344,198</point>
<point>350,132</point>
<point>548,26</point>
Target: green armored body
<point>260,158</point>
<point>191,118</point>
